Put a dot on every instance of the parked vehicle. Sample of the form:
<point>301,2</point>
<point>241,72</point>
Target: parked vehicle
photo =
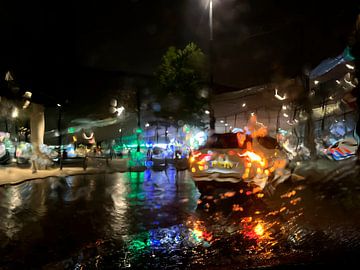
<point>233,158</point>
<point>342,149</point>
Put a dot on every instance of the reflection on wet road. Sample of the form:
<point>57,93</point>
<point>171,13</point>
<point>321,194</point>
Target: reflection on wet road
<point>159,220</point>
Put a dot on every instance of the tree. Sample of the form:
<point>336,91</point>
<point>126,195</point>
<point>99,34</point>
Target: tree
<point>180,83</point>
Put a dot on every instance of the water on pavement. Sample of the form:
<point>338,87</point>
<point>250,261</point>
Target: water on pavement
<point>160,220</point>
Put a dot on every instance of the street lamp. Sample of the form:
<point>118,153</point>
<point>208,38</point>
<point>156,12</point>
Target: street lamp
<point>211,37</point>
<point>59,129</point>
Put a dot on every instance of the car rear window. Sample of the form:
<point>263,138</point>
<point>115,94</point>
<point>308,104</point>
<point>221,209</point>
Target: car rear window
<point>225,140</point>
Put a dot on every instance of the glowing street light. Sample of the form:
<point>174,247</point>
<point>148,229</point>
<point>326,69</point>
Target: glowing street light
<point>147,125</point>
<point>207,112</point>
<point>316,82</point>
<point>15,113</point>
<point>244,105</point>
<point>350,66</point>
<point>278,96</point>
<point>119,110</point>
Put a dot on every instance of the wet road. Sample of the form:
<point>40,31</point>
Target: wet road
<point>159,220</point>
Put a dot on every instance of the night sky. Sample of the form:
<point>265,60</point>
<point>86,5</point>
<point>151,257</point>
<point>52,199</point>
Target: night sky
<point>48,45</point>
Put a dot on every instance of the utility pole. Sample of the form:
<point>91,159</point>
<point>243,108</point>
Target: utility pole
<point>211,60</point>
<point>309,125</point>
<point>138,120</point>
<point>59,130</point>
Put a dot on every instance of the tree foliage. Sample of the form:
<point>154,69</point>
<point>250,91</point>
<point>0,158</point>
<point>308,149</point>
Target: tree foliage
<point>181,80</point>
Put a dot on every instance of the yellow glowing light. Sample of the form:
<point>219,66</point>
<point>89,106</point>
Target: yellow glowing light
<point>74,139</point>
<point>193,169</point>
<point>241,190</point>
<point>267,172</point>
<point>248,165</point>
<point>201,168</point>
<point>192,159</point>
<point>258,170</point>
<point>260,195</point>
<point>259,229</point>
<point>257,212</point>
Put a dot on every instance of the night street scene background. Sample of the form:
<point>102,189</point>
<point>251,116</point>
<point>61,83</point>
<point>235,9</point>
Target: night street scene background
<point>182,134</point>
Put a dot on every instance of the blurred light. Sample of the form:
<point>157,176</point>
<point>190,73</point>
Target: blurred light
<point>119,130</point>
<point>349,81</point>
<point>113,102</point>
<point>259,229</point>
<point>120,110</point>
<point>221,121</point>
<point>207,112</point>
<point>71,130</point>
<point>331,98</point>
<point>284,107</point>
<point>27,94</point>
<point>337,81</point>
<point>252,114</point>
<point>350,66</point>
<point>112,110</point>
<point>285,115</point>
<point>316,82</point>
<point>26,104</point>
<point>147,125</point>
<point>226,124</point>
<point>59,105</point>
<point>15,113</point>
<point>278,96</point>
<point>244,105</point>
<point>230,127</point>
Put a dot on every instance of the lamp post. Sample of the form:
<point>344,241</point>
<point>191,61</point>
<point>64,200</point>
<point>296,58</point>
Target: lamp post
<point>211,86</point>
<point>59,129</point>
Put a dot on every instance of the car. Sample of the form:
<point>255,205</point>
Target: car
<point>233,158</point>
<point>342,149</point>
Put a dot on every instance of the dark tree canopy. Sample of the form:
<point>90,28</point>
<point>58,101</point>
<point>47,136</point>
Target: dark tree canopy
<point>181,81</point>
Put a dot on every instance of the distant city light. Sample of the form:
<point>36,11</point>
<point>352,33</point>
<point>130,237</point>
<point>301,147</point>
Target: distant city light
<point>26,104</point>
<point>350,66</point>
<point>15,113</point>
<point>207,112</point>
<point>244,105</point>
<point>278,96</point>
<point>27,94</point>
<point>119,110</point>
